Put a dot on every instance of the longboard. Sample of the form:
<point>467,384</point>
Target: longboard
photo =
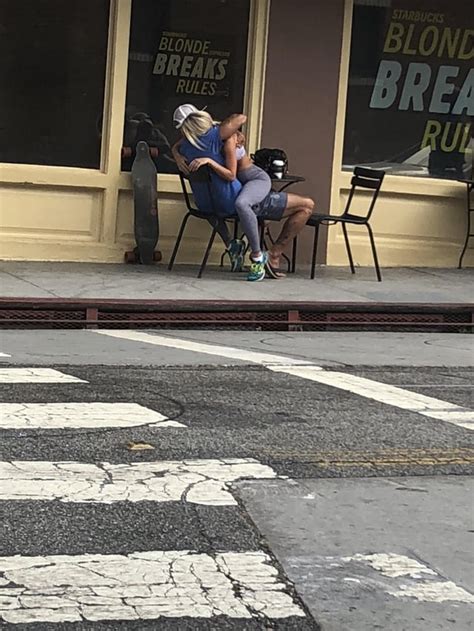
<point>145,201</point>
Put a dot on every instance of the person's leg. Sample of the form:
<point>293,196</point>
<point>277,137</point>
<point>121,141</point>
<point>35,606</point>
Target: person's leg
<point>256,186</point>
<point>247,218</point>
<point>298,210</point>
<point>235,248</point>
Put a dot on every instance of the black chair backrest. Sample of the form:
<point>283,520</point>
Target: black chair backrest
<point>201,176</point>
<point>365,178</point>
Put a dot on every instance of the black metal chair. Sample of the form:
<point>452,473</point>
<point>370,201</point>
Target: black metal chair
<point>202,176</point>
<point>470,210</point>
<point>362,178</point>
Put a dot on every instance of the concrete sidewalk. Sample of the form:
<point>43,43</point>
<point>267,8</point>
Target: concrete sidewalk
<point>130,282</point>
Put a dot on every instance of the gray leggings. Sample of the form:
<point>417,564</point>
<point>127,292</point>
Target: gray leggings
<point>256,185</point>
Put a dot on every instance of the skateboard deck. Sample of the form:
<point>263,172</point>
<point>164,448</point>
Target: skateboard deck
<point>145,200</point>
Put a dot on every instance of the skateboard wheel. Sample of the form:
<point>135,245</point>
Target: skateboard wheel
<point>126,152</point>
<point>130,257</point>
<point>157,256</point>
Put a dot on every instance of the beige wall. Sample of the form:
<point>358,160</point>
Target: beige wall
<point>424,227</point>
<point>54,213</point>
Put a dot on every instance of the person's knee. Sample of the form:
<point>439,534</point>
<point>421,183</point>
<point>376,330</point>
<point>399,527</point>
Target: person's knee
<point>241,206</point>
<point>309,205</point>
<point>306,204</point>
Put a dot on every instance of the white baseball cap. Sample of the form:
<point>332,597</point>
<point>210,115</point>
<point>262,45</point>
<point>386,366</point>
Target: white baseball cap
<point>182,112</point>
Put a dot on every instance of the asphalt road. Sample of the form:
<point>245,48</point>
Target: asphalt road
<point>319,462</point>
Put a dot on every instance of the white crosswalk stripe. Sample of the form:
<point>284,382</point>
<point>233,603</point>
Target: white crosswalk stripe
<point>141,586</point>
<point>368,388</point>
<point>385,393</point>
<point>79,415</point>
<point>196,481</point>
<point>151,585</point>
<point>36,375</point>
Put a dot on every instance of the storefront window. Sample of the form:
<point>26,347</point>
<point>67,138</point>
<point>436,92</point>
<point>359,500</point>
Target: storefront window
<point>183,51</point>
<point>52,78</point>
<point>410,103</point>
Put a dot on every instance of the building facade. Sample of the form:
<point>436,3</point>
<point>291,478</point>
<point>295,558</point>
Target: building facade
<point>335,83</point>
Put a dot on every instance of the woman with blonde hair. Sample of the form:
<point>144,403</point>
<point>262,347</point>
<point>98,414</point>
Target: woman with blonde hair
<point>202,143</point>
<point>221,148</point>
<point>194,128</point>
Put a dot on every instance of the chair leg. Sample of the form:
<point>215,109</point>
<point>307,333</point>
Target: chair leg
<point>293,255</point>
<point>468,236</point>
<point>262,235</point>
<point>288,263</point>
<point>348,248</point>
<point>315,250</point>
<point>208,251</point>
<point>222,258</point>
<point>374,253</point>
<point>178,241</point>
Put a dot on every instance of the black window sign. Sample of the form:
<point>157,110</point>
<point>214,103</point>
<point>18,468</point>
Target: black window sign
<point>191,64</point>
<point>413,104</point>
<point>183,51</point>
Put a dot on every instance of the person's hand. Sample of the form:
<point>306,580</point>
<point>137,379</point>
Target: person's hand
<point>197,163</point>
<point>240,139</point>
<point>181,163</point>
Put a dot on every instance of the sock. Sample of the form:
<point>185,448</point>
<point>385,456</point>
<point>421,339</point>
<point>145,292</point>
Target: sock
<point>257,259</point>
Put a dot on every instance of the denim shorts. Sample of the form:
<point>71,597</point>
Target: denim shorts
<point>272,207</point>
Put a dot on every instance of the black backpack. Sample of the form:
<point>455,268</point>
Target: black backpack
<point>263,158</point>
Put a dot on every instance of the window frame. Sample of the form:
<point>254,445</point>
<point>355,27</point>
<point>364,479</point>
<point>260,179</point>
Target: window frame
<point>254,86</point>
<point>109,171</point>
<point>108,183</point>
<point>404,185</point>
<point>10,172</point>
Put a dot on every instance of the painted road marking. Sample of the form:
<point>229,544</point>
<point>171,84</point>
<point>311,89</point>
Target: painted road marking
<point>255,357</point>
<point>373,458</point>
<point>203,482</point>
<point>36,375</point>
<point>79,415</point>
<point>385,393</point>
<point>4,355</point>
<point>375,390</point>
<point>142,586</point>
<point>398,575</point>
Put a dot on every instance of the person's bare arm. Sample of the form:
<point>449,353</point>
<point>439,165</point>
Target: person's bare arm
<point>230,156</point>
<point>223,172</point>
<point>227,172</point>
<point>178,158</point>
<point>232,124</point>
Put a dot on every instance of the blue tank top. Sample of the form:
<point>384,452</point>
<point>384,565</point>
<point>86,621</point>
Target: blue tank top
<point>224,193</point>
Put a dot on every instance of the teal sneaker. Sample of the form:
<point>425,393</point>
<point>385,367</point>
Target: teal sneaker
<point>236,252</point>
<point>257,269</point>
